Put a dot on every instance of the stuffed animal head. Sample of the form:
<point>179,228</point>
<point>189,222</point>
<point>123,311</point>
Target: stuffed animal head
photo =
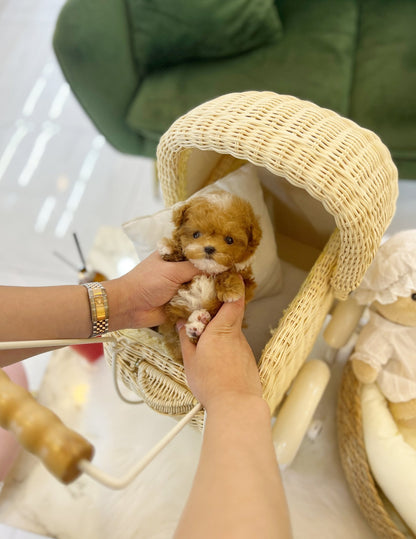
<point>217,231</point>
<point>402,311</point>
<point>390,283</point>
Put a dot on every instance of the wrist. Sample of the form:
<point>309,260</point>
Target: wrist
<point>239,403</point>
<point>118,305</point>
<point>98,301</point>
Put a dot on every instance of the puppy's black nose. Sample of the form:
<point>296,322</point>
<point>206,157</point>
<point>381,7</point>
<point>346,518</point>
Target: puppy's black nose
<point>209,250</point>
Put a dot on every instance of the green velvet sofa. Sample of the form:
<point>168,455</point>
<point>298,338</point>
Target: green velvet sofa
<point>137,65</point>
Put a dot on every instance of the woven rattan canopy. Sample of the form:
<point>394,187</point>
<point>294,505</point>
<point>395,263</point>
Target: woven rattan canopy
<point>337,162</point>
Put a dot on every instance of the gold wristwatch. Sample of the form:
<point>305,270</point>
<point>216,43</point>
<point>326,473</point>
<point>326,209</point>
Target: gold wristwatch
<point>99,308</point>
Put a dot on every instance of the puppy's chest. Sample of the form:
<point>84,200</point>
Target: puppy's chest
<point>200,293</point>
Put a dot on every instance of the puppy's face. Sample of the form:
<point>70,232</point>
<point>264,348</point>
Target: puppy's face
<point>217,231</point>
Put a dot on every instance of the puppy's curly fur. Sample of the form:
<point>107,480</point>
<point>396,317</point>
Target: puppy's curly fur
<point>219,234</point>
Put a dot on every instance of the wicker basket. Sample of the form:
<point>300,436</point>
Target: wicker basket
<point>335,164</point>
<point>376,509</point>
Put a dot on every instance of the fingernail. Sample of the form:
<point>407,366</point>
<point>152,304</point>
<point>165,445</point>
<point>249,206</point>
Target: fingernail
<point>179,325</point>
<point>233,300</point>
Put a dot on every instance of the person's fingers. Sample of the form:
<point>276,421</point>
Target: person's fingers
<point>187,347</point>
<point>182,272</point>
<point>154,317</point>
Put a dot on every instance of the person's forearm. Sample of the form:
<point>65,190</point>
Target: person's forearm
<point>44,313</point>
<point>56,312</point>
<point>62,312</point>
<point>38,313</point>
<point>237,490</point>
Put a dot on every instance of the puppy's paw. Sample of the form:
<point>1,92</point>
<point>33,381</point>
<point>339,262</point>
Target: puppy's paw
<point>230,288</point>
<point>196,324</point>
<point>231,295</point>
<point>169,251</point>
<point>164,247</point>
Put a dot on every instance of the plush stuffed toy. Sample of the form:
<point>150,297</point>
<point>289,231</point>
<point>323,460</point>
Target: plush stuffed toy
<point>218,232</point>
<point>385,351</point>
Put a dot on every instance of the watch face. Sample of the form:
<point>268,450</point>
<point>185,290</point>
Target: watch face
<point>99,306</point>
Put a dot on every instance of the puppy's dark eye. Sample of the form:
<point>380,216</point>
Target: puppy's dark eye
<point>196,234</point>
<point>229,240</point>
<point>413,296</point>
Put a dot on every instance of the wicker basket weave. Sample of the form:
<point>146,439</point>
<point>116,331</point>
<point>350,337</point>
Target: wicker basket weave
<point>346,168</point>
<point>355,463</point>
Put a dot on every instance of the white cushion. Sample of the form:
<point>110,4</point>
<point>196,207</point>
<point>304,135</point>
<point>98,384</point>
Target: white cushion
<point>262,315</point>
<point>146,231</point>
<point>392,460</point>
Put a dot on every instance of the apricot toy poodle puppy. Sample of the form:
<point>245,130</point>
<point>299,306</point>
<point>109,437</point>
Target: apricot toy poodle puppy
<point>219,234</point>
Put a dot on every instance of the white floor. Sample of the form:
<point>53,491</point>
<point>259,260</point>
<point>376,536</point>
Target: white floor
<point>57,174</point>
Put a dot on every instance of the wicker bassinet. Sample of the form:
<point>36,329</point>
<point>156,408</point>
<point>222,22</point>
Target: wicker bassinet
<point>310,150</point>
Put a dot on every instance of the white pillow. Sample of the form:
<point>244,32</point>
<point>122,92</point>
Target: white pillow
<point>392,460</point>
<point>146,231</point>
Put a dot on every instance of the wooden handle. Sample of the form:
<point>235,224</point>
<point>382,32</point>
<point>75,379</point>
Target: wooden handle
<point>41,432</point>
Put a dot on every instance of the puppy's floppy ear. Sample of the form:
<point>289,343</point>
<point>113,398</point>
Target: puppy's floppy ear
<point>178,215</point>
<point>171,249</point>
<point>254,234</point>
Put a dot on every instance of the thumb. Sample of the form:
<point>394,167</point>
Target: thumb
<point>230,316</point>
<point>187,347</point>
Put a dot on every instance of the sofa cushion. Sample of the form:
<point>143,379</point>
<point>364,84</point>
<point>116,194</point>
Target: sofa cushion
<point>383,96</point>
<point>313,60</point>
<point>166,32</point>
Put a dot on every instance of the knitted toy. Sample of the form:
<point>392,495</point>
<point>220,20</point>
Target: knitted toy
<point>385,351</point>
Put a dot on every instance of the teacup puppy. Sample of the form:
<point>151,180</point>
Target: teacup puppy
<point>219,234</point>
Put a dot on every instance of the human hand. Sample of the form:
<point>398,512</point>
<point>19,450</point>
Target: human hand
<point>139,295</point>
<point>222,365</point>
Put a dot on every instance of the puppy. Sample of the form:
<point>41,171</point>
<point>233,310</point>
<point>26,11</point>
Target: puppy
<point>219,234</point>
